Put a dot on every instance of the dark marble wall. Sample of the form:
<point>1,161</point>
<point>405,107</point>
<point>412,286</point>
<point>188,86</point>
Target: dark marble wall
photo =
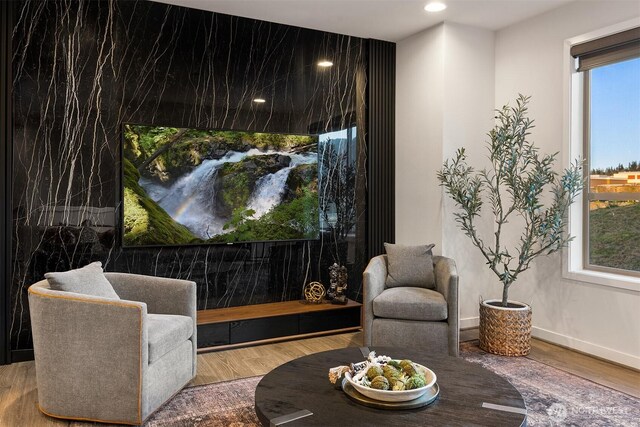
<point>83,68</point>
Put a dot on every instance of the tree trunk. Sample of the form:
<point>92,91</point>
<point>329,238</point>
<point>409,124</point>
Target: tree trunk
<point>163,149</point>
<point>505,295</point>
<point>303,148</point>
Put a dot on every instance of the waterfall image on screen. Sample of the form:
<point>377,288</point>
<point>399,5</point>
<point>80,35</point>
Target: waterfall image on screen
<point>192,186</point>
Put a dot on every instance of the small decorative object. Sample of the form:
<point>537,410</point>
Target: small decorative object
<point>314,292</point>
<point>336,375</point>
<point>338,278</point>
<point>515,184</point>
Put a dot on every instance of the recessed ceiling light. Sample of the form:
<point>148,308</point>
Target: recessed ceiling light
<point>259,100</point>
<point>325,63</point>
<point>435,6</point>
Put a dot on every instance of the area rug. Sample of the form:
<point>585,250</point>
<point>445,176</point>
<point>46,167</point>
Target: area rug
<point>556,398</point>
<point>225,404</point>
<point>553,398</point>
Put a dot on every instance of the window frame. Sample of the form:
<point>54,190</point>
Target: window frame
<point>573,267</point>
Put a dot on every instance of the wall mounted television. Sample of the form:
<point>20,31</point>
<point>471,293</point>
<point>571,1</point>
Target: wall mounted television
<point>185,186</point>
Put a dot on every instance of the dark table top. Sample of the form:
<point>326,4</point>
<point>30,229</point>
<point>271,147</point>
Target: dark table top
<point>304,384</point>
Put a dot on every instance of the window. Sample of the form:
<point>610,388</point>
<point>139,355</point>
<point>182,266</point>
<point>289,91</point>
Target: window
<point>337,177</point>
<point>611,138</point>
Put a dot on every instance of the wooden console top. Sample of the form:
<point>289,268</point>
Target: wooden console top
<point>258,311</point>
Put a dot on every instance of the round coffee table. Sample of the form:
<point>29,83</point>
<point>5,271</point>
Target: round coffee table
<point>469,394</point>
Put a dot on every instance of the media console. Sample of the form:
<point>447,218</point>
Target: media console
<point>261,323</point>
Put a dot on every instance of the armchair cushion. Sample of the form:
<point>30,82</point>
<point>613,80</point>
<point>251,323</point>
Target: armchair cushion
<point>166,332</point>
<point>409,266</point>
<point>88,280</point>
<point>410,303</point>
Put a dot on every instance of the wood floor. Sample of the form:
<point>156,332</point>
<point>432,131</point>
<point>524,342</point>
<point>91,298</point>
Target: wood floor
<point>18,395</point>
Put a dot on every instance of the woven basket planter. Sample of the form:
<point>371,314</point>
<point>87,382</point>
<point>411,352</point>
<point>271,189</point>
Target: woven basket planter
<point>505,330</point>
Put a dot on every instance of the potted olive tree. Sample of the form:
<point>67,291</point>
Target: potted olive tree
<point>514,186</point>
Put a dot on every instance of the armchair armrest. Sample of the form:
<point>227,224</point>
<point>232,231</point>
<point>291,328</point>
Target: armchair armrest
<point>92,347</point>
<point>373,282</point>
<point>162,295</point>
<point>446,275</point>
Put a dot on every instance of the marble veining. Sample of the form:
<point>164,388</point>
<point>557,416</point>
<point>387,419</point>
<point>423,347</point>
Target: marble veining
<point>84,68</point>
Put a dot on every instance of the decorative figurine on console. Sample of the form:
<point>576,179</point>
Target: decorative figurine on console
<point>333,281</point>
<point>338,278</point>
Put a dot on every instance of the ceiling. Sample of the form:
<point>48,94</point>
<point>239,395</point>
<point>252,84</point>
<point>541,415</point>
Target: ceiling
<point>390,20</point>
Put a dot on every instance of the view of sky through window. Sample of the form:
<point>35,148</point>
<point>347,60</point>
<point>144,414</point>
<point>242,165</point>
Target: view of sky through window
<point>615,114</point>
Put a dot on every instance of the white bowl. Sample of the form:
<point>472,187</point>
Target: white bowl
<point>396,396</point>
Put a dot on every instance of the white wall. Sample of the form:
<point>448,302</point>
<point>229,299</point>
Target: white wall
<point>419,127</point>
<point>444,101</point>
<point>449,80</point>
<point>468,105</point>
<point>530,59</point>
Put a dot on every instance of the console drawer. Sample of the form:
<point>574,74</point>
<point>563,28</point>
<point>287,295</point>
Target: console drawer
<point>328,320</point>
<point>213,334</point>
<point>260,329</point>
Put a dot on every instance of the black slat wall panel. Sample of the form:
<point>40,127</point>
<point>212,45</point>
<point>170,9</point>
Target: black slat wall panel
<point>6,26</point>
<point>381,148</point>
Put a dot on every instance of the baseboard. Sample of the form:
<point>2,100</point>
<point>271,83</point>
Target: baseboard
<point>572,343</point>
<point>469,323</point>
<point>587,347</point>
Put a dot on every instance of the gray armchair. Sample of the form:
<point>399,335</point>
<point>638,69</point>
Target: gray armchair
<point>112,360</point>
<point>408,316</point>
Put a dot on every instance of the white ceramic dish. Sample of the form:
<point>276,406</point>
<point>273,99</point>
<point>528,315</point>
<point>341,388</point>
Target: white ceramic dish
<point>396,396</point>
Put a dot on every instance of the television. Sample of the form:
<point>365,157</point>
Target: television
<point>184,186</point>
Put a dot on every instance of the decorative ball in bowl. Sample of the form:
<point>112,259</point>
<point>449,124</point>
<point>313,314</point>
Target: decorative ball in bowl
<point>396,381</point>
